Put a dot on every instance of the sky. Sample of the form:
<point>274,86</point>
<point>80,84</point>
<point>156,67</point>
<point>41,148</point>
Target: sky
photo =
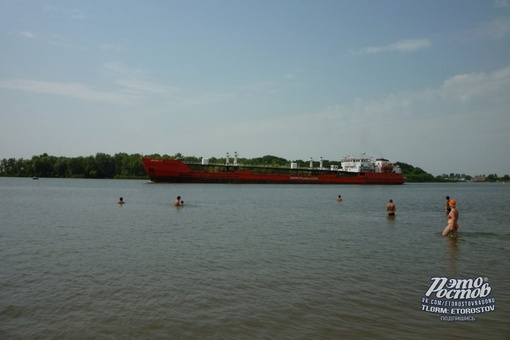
<point>425,83</point>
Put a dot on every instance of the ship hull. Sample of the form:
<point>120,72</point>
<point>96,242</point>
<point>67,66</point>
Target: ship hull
<point>176,171</point>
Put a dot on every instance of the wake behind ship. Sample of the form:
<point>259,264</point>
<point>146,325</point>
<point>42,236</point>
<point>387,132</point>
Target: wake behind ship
<point>353,170</point>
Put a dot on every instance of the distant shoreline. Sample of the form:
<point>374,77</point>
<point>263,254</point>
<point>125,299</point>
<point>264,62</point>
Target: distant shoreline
<point>129,166</point>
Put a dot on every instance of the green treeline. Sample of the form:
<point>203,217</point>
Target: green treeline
<point>123,165</point>
<point>415,174</point>
<point>267,160</point>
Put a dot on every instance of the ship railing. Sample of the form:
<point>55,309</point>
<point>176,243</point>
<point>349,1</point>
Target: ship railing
<point>251,166</point>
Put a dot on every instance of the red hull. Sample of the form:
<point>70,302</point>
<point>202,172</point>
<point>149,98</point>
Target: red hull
<point>176,171</point>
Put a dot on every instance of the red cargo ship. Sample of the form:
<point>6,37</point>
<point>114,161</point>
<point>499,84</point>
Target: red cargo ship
<point>353,170</point>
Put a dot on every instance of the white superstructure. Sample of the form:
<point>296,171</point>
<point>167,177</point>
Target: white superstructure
<point>365,164</point>
<point>357,164</point>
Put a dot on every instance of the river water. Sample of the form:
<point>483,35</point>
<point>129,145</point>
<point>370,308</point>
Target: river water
<point>247,261</point>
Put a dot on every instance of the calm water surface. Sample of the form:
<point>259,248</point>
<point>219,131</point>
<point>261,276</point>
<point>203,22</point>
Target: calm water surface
<point>244,261</point>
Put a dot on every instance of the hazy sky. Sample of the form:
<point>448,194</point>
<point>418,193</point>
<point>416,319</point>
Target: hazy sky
<point>421,82</point>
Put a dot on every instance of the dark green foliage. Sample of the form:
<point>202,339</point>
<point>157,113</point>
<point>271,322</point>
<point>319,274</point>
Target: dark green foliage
<point>415,174</point>
<point>101,165</point>
<point>495,178</point>
<point>268,160</point>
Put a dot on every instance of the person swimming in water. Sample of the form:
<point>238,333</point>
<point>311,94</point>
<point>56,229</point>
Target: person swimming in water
<point>178,201</point>
<point>339,198</point>
<point>391,208</point>
<point>121,201</point>
<point>453,217</point>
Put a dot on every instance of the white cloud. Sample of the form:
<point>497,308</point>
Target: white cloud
<point>407,45</point>
<point>138,82</point>
<point>134,87</point>
<point>73,90</point>
<point>58,11</point>
<point>55,40</point>
<point>130,92</point>
<point>290,76</point>
<point>113,47</point>
<point>449,98</point>
<point>496,29</point>
<point>464,87</point>
<point>119,69</point>
<point>28,35</point>
<point>138,86</point>
<point>501,3</point>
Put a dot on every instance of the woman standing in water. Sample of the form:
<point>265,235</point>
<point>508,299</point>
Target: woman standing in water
<point>453,217</point>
